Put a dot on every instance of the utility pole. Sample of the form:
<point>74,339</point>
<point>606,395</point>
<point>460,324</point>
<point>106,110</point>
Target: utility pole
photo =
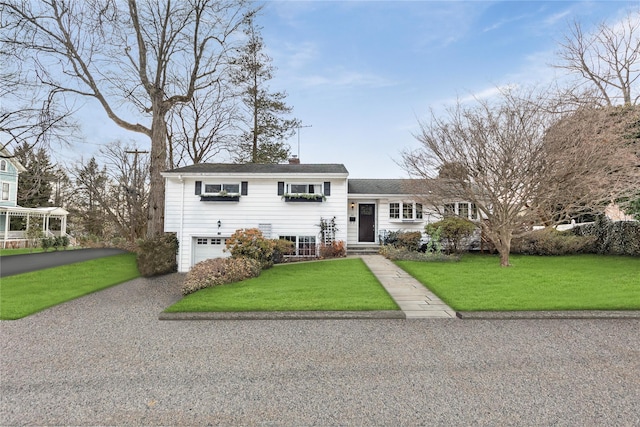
<point>298,128</point>
<point>133,224</point>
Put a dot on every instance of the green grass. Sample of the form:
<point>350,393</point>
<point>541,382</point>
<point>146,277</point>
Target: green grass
<point>28,293</point>
<point>8,252</point>
<point>20,251</point>
<point>335,285</point>
<point>532,283</point>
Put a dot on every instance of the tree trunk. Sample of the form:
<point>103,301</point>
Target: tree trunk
<point>155,217</point>
<point>504,248</point>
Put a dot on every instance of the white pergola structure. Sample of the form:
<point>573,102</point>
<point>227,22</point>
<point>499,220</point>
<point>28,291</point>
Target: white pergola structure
<point>18,238</point>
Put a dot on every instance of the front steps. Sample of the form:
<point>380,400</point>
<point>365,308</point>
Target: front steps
<point>371,249</point>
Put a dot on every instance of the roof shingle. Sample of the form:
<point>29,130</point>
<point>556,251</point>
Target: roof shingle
<point>261,168</point>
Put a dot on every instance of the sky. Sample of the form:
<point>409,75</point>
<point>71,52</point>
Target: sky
<point>362,74</point>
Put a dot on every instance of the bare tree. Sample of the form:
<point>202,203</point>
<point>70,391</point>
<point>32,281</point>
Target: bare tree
<point>138,59</point>
<point>202,129</point>
<point>128,172</point>
<point>38,117</point>
<point>505,166</point>
<point>596,157</point>
<point>113,192</point>
<point>606,61</point>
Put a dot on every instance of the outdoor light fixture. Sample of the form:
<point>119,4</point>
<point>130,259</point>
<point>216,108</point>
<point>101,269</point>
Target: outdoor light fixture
<point>353,205</point>
<point>219,223</point>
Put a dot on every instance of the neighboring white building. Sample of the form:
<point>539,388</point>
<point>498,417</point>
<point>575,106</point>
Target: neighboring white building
<point>53,220</point>
<point>206,203</point>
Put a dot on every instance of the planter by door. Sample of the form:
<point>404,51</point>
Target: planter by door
<point>367,222</point>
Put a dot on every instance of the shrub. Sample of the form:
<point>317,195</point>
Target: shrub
<point>46,243</point>
<point>281,248</point>
<point>452,231</point>
<point>336,249</point>
<point>59,242</point>
<point>157,255</point>
<point>550,241</point>
<point>615,238</point>
<point>34,235</point>
<point>219,271</point>
<point>402,254</point>
<point>409,240</point>
<point>250,243</point>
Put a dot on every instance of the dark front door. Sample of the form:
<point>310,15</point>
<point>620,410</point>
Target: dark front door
<point>367,222</point>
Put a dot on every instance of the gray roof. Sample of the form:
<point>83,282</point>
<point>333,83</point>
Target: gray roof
<point>387,186</point>
<point>261,168</point>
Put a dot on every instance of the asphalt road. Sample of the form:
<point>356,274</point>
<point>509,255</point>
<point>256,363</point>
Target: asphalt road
<point>18,264</point>
<point>106,359</point>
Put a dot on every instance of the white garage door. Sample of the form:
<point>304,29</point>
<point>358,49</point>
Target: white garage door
<point>208,247</point>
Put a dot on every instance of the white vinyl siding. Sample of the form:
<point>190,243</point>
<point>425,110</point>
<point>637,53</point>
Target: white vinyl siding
<point>262,206</point>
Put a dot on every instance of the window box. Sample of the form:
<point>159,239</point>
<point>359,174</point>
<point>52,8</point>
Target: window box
<point>220,198</point>
<point>304,197</point>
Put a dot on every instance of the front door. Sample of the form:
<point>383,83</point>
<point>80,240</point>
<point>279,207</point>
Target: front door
<point>366,222</point>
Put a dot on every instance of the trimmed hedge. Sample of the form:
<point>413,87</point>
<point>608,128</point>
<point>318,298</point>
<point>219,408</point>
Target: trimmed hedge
<point>409,240</point>
<point>219,271</point>
<point>403,254</point>
<point>550,241</point>
<point>614,238</point>
<point>157,255</point>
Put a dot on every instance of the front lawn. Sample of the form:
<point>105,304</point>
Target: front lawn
<point>532,283</point>
<point>20,251</point>
<point>335,285</point>
<point>25,294</point>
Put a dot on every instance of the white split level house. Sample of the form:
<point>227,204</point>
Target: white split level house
<point>207,203</point>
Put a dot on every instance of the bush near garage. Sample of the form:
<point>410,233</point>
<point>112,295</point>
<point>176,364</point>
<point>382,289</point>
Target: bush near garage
<point>281,249</point>
<point>219,271</point>
<point>550,241</point>
<point>250,243</point>
<point>157,255</point>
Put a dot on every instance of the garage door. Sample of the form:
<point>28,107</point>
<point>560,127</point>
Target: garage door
<point>208,247</point>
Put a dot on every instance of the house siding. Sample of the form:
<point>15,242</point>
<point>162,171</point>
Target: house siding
<point>189,217</point>
<point>10,176</point>
<point>383,222</point>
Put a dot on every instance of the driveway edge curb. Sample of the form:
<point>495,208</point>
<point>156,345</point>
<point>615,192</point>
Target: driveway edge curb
<point>567,314</point>
<point>284,315</point>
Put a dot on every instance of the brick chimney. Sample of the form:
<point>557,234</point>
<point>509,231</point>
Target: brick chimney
<point>294,160</point>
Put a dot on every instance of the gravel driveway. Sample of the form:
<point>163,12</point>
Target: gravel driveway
<point>106,359</point>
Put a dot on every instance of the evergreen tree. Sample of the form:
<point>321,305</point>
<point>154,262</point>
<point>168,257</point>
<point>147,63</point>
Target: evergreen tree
<point>34,185</point>
<point>266,130</point>
<point>91,183</point>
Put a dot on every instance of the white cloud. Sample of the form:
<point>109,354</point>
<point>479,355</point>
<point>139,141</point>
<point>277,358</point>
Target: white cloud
<point>556,17</point>
<point>344,78</point>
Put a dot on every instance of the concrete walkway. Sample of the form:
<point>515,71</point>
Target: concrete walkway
<point>416,301</point>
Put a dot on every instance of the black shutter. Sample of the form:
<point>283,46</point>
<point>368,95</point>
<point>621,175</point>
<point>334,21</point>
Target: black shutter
<point>198,188</point>
<point>327,188</point>
<point>280,188</point>
<point>244,188</point>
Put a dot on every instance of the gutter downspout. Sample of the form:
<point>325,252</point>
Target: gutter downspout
<point>180,242</point>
